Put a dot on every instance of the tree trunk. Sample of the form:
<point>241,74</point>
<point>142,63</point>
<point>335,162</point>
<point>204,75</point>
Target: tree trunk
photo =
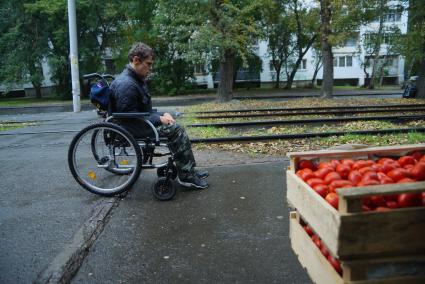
<point>327,56</point>
<point>420,83</point>
<point>313,80</point>
<point>277,82</point>
<point>225,86</point>
<point>298,62</point>
<point>37,88</point>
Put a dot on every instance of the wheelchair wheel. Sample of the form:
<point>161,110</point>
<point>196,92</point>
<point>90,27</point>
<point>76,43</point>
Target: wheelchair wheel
<point>163,189</point>
<point>105,159</point>
<point>99,156</point>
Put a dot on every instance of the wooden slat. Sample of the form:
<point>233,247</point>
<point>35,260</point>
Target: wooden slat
<point>359,192</point>
<point>310,257</point>
<point>395,232</point>
<point>321,216</point>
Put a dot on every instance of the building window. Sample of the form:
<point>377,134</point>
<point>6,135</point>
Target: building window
<point>349,61</point>
<point>199,69</point>
<point>351,42</point>
<point>341,61</point>
<point>304,64</point>
<point>393,15</point>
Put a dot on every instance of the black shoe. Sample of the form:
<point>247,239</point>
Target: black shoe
<point>194,182</point>
<point>202,174</point>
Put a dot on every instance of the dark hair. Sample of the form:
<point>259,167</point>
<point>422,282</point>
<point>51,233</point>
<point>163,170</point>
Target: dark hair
<point>141,50</point>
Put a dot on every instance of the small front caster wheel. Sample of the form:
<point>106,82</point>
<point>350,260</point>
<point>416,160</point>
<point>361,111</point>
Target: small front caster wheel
<point>163,189</point>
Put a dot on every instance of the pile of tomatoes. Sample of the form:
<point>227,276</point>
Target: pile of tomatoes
<point>336,264</point>
<point>324,178</point>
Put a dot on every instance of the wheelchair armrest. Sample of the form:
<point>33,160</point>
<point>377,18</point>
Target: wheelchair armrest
<point>131,114</point>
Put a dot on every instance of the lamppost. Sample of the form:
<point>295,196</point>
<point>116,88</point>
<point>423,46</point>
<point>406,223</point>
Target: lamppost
<point>73,56</point>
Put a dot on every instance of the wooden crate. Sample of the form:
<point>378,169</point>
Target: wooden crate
<point>349,233</point>
<point>406,269</point>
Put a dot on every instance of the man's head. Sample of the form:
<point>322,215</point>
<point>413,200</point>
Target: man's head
<point>141,58</point>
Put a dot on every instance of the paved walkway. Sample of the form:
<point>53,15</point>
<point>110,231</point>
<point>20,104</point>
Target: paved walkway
<point>234,232</point>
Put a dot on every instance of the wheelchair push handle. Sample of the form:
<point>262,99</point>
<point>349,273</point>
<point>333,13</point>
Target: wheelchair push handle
<point>98,76</point>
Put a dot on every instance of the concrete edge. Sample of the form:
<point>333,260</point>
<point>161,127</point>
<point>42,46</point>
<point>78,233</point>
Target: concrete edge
<point>64,266</point>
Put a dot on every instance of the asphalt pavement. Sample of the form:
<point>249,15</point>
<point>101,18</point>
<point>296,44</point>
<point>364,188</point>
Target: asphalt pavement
<point>236,231</point>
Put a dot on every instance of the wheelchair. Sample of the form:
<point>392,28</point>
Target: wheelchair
<point>106,159</point>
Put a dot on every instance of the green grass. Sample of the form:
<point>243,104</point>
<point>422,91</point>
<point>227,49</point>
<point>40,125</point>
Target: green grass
<point>15,102</point>
<point>5,126</point>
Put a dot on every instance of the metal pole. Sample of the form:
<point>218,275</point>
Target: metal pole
<point>73,56</point>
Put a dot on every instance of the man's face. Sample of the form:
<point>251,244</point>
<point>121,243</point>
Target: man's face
<point>143,68</point>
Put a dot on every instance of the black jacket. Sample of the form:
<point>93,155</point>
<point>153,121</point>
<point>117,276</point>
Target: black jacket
<point>130,94</point>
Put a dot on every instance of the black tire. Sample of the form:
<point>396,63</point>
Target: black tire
<point>163,189</point>
<point>133,170</point>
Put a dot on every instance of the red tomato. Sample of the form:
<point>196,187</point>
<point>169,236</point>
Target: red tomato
<point>368,182</point>
<point>335,264</point>
<point>416,155</point>
<point>347,162</point>
<point>408,167</point>
<point>325,165</point>
<point>343,170</point>
<point>306,164</point>
<point>406,180</point>
<point>322,172</point>
<point>406,160</point>
<point>335,163</point>
<point>330,177</point>
<point>332,199</point>
<point>321,189</point>
<point>370,175</point>
<point>398,174</point>
<point>422,159</point>
<point>314,181</point>
<point>384,179</point>
<point>308,230</point>
<point>355,177</point>
<point>359,164</point>
<point>316,240</point>
<point>369,163</point>
<point>365,170</point>
<point>418,171</point>
<point>378,168</point>
<point>392,204</point>
<point>324,251</point>
<point>409,199</point>
<point>385,160</point>
<point>378,201</point>
<point>305,174</point>
<point>387,167</point>
<point>339,183</point>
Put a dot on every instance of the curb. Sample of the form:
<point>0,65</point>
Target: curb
<point>64,266</point>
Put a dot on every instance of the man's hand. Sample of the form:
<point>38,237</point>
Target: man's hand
<point>167,119</point>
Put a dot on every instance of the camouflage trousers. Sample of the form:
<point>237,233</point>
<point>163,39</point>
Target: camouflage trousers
<point>180,147</point>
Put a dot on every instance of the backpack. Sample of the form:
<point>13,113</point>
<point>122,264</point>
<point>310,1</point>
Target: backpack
<point>99,95</point>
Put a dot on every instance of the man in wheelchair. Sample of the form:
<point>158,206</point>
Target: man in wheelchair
<point>129,93</point>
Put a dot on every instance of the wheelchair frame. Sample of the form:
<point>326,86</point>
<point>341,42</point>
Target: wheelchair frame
<point>116,137</point>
